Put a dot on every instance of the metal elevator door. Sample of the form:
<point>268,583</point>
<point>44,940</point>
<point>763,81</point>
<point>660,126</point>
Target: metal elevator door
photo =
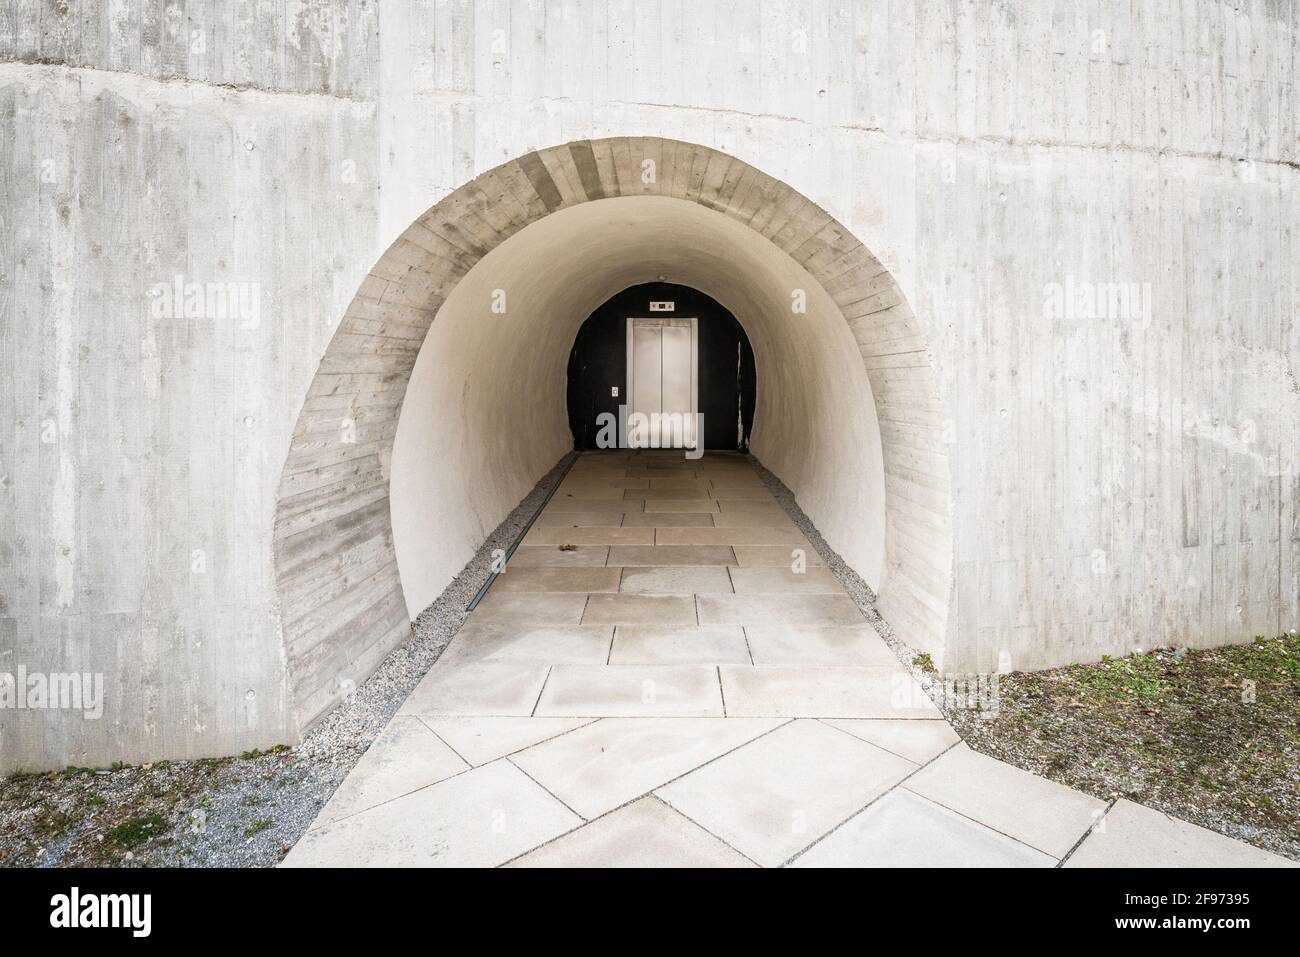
<point>663,383</point>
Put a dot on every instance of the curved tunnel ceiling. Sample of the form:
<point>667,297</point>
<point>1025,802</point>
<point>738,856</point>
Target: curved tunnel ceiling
<point>485,412</point>
<point>846,400</point>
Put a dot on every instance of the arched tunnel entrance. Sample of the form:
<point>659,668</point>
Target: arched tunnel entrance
<point>444,395</point>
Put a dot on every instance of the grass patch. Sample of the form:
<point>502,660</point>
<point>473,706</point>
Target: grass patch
<point>136,831</point>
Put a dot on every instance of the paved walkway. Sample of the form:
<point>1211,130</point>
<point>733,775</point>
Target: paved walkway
<point>649,683</point>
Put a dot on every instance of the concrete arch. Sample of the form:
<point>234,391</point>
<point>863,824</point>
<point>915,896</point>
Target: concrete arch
<point>342,601</point>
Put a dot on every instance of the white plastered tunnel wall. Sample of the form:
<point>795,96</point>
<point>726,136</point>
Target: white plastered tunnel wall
<point>485,411</point>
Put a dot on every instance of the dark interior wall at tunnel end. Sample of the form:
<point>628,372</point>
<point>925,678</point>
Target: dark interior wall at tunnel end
<point>726,363</point>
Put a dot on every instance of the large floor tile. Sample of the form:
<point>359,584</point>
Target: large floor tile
<point>729,536</point>
<point>905,830</point>
<point>811,692</point>
<point>778,794</point>
<point>579,691</point>
<point>1131,835</point>
<point>668,520</point>
<point>479,740</point>
<point>641,555</point>
<point>838,645</point>
<point>589,536</point>
<point>918,740</point>
<point>699,485</point>
<point>614,479</point>
<point>528,556</point>
<point>678,505</point>
<point>595,491</point>
<point>676,580</point>
<point>646,833</point>
<point>551,579</point>
<point>665,610</point>
<point>723,481</point>
<point>643,645</point>
<point>813,580</point>
<point>405,757</point>
<point>779,609</point>
<point>598,767</point>
<point>496,687</point>
<point>501,607</point>
<point>572,503</point>
<point>481,818</point>
<point>576,519</point>
<point>1038,812</point>
<point>687,491</point>
<point>759,556</point>
<point>539,644</point>
<point>757,518</point>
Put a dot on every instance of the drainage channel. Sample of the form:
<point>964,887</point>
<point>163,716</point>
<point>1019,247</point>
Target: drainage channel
<point>492,576</point>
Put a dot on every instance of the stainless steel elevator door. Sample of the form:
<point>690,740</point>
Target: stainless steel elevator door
<point>663,383</point>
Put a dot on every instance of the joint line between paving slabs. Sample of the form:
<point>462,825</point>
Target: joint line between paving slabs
<point>1087,832</point>
<point>537,703</point>
<point>581,817</point>
<point>890,790</point>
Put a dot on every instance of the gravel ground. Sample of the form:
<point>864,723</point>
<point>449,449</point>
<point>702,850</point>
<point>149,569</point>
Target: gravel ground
<point>233,812</point>
<point>1178,730</point>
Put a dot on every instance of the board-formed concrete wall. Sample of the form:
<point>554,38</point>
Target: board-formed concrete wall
<point>1091,208</point>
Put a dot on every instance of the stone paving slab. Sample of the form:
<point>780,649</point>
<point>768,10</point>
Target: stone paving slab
<point>580,503</point>
<point>480,740</point>
<point>655,644</point>
<point>817,692</point>
<point>757,556</point>
<point>489,688</point>
<point>668,519</point>
<point>645,833</point>
<point>610,762</point>
<point>481,818</point>
<point>528,556</point>
<point>647,555</point>
<point>785,609</point>
<point>593,535</point>
<point>685,580</point>
<point>538,644</point>
<point>919,740</point>
<point>528,610</point>
<point>576,519</point>
<point>640,610</point>
<point>582,580</point>
<point>778,794</point>
<point>1131,835</point>
<point>1033,810</point>
<point>826,645</point>
<point>666,691</point>
<point>903,829</point>
<point>813,580</point>
<point>729,536</point>
<point>405,757</point>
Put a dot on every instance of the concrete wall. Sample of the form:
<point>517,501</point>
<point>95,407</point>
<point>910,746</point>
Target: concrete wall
<point>1117,481</point>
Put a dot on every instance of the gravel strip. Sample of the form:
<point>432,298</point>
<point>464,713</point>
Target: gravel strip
<point>235,812</point>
